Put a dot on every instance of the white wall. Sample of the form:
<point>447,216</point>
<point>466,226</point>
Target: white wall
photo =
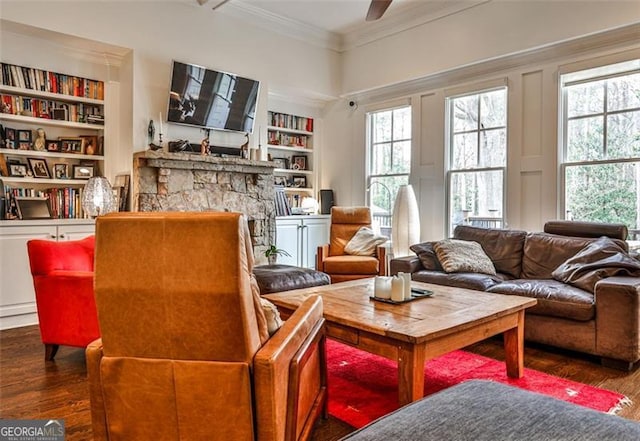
<point>532,158</point>
<point>486,31</point>
<point>158,32</point>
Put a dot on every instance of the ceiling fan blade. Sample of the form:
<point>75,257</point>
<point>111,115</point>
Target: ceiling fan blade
<point>377,9</point>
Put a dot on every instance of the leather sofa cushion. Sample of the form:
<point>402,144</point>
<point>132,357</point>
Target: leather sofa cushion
<point>477,281</point>
<point>504,247</point>
<point>554,298</point>
<point>351,265</point>
<point>586,229</point>
<point>427,255</point>
<point>544,252</point>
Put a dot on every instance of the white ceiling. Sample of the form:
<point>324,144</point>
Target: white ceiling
<point>338,24</point>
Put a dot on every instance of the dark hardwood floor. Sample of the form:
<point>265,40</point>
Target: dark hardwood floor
<point>33,388</point>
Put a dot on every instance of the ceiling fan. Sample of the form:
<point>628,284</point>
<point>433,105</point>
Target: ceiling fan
<point>377,9</point>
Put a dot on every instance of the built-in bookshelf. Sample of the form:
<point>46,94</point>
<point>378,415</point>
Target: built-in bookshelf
<point>51,138</point>
<point>290,143</point>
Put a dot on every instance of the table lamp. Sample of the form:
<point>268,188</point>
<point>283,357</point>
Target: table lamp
<point>97,197</point>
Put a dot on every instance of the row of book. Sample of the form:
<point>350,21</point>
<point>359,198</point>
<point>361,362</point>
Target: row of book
<point>278,138</point>
<point>65,202</point>
<point>282,203</point>
<point>287,121</point>
<point>40,108</point>
<point>45,81</point>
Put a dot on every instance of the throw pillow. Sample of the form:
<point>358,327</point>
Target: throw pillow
<point>463,256</point>
<point>600,259</point>
<point>273,316</point>
<point>427,256</point>
<point>364,243</point>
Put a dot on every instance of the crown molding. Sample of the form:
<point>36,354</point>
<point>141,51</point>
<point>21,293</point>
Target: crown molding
<point>408,18</point>
<point>621,38</point>
<point>282,25</point>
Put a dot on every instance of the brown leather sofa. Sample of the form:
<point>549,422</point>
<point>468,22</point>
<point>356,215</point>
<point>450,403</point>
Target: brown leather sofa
<point>605,323</point>
<point>185,352</point>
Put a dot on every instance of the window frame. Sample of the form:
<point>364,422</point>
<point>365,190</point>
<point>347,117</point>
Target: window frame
<point>449,151</point>
<point>563,114</point>
<point>370,177</point>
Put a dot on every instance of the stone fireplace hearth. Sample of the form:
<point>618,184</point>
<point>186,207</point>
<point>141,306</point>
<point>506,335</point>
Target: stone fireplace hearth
<point>165,181</point>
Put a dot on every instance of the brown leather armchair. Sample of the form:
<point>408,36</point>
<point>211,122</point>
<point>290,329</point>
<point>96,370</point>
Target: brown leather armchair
<point>185,352</point>
<point>331,258</point>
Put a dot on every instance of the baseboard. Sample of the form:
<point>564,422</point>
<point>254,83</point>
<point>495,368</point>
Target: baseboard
<point>18,321</point>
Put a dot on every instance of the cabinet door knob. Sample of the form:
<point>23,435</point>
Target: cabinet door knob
<point>61,236</point>
<point>52,236</point>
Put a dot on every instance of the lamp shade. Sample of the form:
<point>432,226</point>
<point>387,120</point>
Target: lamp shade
<point>97,197</point>
<point>405,229</point>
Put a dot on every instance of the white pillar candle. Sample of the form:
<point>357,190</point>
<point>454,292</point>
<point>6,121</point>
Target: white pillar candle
<point>406,278</point>
<point>382,287</point>
<point>397,289</point>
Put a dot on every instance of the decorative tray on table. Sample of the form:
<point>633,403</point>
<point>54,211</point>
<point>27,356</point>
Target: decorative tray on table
<point>416,293</point>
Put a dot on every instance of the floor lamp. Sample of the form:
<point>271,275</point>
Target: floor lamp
<point>405,229</point>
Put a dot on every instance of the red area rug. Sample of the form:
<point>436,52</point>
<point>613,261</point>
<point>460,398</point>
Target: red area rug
<point>363,386</point>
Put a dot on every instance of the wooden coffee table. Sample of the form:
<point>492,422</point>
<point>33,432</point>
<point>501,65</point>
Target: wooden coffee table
<point>412,333</point>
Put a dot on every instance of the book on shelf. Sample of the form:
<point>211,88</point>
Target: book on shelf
<point>65,202</point>
<point>53,82</point>
<point>287,121</point>
<point>282,204</point>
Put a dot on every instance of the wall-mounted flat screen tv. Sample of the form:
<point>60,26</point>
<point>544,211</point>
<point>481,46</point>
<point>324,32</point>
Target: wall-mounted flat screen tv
<point>211,99</point>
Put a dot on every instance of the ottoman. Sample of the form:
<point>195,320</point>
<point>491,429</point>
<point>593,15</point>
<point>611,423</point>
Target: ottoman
<point>277,278</point>
<point>486,411</point>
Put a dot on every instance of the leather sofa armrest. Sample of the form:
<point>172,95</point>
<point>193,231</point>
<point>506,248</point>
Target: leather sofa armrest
<point>408,264</point>
<point>323,253</point>
<point>94,356</point>
<point>272,368</point>
<point>617,301</point>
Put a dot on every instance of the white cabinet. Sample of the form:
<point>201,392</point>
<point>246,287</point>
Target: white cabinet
<point>300,236</point>
<point>17,298</point>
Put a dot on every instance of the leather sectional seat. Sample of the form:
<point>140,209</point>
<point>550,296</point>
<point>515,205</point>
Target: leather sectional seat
<point>605,322</point>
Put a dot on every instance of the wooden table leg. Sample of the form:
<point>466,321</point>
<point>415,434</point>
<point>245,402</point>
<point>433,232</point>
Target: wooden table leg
<point>514,348</point>
<point>411,360</point>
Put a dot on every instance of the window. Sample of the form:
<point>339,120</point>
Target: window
<point>389,161</point>
<point>600,166</point>
<point>477,147</point>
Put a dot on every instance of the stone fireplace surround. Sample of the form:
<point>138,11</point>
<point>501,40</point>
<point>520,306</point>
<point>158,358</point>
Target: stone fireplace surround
<point>165,181</point>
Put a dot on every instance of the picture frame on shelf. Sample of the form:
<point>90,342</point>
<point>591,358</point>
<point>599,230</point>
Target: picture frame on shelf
<point>17,169</point>
<point>299,181</point>
<point>83,171</point>
<point>280,180</point>
<point>299,162</point>
<point>39,168</point>
<point>33,208</point>
<point>89,145</point>
<point>61,171</point>
<point>53,146</point>
<point>59,114</point>
<point>9,138</point>
<point>71,145</point>
<point>282,163</point>
<point>24,135</point>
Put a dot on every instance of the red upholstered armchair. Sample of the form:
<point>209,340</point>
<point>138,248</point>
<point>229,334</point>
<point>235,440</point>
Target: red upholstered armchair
<point>63,281</point>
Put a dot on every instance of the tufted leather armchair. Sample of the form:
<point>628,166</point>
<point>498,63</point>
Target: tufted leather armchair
<point>331,258</point>
<point>63,282</point>
<point>185,352</point>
